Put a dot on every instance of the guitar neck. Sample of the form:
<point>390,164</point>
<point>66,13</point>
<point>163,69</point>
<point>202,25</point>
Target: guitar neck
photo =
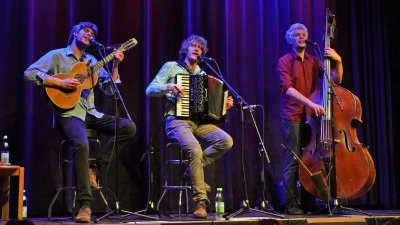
<point>102,62</point>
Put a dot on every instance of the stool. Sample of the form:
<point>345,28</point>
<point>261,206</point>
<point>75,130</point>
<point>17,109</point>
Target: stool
<point>62,159</point>
<point>6,172</point>
<point>182,162</point>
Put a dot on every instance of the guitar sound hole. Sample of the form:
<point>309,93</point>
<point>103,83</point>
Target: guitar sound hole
<point>80,77</point>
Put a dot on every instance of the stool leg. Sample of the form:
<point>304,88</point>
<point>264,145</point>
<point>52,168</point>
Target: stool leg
<point>180,203</point>
<point>161,198</point>
<point>73,207</point>
<point>187,201</point>
<point>209,206</point>
<point>51,205</point>
<point>105,201</point>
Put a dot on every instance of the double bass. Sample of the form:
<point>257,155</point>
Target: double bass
<point>334,148</point>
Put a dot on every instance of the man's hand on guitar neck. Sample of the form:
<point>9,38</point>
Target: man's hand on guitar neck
<point>118,57</point>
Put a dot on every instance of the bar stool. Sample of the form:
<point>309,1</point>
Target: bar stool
<point>65,164</point>
<point>175,162</point>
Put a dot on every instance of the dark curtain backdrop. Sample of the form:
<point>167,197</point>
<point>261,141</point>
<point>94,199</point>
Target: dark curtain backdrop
<point>246,38</point>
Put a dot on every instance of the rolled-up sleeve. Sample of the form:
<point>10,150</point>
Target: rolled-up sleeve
<point>158,87</point>
<point>283,73</point>
<point>38,72</point>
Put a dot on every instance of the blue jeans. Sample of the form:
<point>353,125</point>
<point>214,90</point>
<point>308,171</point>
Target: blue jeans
<point>73,130</point>
<point>185,133</point>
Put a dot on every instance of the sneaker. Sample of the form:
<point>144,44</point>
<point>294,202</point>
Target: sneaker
<point>200,210</point>
<point>83,215</point>
<point>93,172</point>
<point>186,176</point>
<point>293,209</point>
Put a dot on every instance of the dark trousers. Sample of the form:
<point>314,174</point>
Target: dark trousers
<point>295,136</point>
<point>73,130</point>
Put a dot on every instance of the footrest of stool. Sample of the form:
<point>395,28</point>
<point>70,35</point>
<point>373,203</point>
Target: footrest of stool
<point>177,187</point>
<point>177,161</point>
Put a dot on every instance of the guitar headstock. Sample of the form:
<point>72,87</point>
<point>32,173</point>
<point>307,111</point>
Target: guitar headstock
<point>128,45</point>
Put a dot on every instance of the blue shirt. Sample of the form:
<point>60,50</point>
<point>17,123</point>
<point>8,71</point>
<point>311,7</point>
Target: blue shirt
<point>61,61</point>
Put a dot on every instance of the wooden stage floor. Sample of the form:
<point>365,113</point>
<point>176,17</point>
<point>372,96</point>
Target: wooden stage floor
<point>377,217</point>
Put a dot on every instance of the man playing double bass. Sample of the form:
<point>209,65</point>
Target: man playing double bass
<point>298,74</point>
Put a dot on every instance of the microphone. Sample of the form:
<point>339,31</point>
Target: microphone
<point>251,106</point>
<point>204,58</point>
<point>95,43</point>
<point>310,42</point>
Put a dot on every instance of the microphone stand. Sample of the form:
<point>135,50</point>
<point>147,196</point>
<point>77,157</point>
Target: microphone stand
<point>264,205</point>
<point>150,151</point>
<point>245,203</point>
<point>117,98</point>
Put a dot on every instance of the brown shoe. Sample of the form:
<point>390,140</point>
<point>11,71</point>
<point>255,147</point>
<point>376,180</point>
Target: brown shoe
<point>200,210</point>
<point>83,215</point>
<point>93,172</point>
<point>186,176</point>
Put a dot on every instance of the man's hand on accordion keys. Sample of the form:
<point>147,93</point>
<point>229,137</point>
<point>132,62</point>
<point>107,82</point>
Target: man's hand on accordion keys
<point>178,90</point>
<point>229,102</point>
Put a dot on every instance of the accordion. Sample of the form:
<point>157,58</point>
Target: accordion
<point>205,97</point>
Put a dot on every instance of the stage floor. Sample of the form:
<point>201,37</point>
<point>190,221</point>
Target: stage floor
<point>377,217</point>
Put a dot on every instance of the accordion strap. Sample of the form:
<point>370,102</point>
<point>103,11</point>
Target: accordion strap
<point>184,66</point>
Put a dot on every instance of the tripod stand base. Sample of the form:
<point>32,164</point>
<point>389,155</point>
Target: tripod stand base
<point>117,212</point>
<point>336,208</point>
<point>150,210</point>
<point>245,208</point>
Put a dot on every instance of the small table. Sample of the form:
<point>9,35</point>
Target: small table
<point>6,172</point>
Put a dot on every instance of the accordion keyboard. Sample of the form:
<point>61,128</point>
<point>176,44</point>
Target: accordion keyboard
<point>182,105</point>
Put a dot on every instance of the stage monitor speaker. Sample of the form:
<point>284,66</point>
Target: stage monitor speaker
<point>332,221</point>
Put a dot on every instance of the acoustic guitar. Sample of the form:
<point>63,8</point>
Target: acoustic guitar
<point>86,75</point>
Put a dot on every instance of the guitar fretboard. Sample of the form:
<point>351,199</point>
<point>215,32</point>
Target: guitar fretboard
<point>100,64</point>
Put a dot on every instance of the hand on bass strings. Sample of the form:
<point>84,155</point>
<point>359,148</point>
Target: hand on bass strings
<point>317,109</point>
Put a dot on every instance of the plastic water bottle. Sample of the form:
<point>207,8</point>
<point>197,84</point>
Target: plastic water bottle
<point>24,206</point>
<point>219,203</point>
<point>5,151</point>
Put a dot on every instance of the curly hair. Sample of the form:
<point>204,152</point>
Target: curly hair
<point>186,43</point>
<point>81,26</point>
<point>290,32</point>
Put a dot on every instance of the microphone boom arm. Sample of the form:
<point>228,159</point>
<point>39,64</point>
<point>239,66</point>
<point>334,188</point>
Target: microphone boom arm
<point>241,101</point>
